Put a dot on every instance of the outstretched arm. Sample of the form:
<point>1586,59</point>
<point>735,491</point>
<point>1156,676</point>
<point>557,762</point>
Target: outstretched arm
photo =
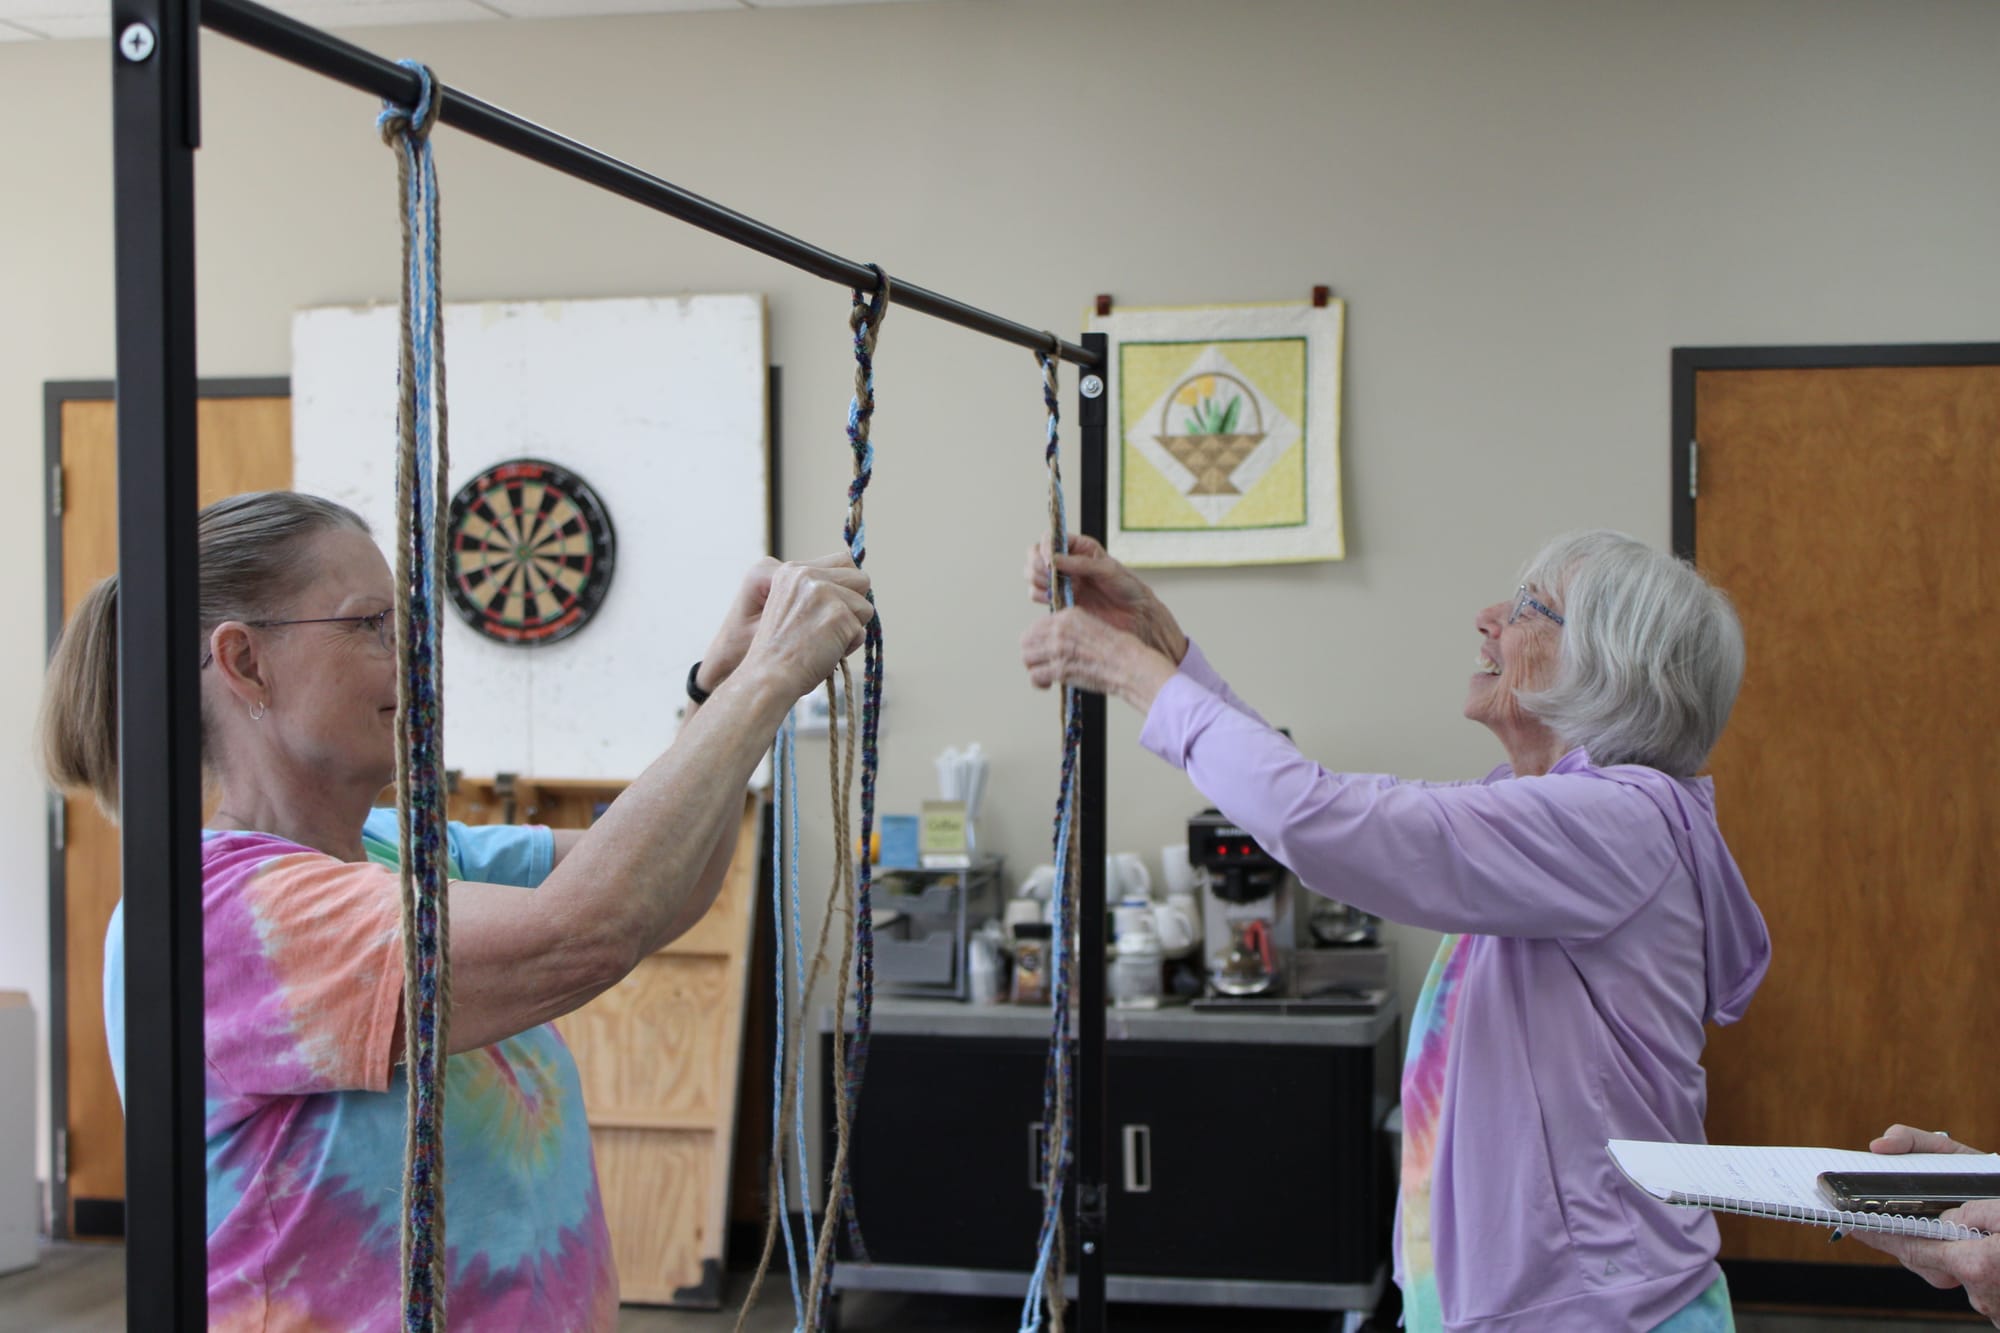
<point>1560,856</point>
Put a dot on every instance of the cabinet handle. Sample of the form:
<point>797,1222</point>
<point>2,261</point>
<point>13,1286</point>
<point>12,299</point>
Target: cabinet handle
<point>1138,1159</point>
<point>1035,1156</point>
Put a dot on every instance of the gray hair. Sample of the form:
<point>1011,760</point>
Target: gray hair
<point>1651,658</point>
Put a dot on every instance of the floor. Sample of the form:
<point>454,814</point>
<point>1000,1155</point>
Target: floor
<point>81,1289</point>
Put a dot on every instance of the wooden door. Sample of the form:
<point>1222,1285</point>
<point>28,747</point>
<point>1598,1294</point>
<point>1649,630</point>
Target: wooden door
<point>1851,513</point>
<point>246,445</point>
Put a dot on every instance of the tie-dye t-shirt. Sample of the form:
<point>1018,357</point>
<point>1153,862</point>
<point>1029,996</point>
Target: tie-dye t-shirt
<point>1423,1105</point>
<point>305,1114</point>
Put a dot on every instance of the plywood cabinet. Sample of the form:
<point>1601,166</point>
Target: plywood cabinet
<point>660,1055</point>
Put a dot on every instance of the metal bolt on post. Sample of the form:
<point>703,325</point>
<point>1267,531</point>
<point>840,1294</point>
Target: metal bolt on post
<point>136,43</point>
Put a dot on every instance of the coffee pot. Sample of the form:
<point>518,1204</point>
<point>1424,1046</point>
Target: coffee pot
<point>1250,966</point>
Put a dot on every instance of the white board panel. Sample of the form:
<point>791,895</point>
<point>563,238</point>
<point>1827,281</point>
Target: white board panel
<point>660,405</point>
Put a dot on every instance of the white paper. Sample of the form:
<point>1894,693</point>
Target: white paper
<point>1778,1180</point>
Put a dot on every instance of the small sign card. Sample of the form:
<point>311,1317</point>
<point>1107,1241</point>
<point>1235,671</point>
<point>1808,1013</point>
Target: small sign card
<point>944,841</point>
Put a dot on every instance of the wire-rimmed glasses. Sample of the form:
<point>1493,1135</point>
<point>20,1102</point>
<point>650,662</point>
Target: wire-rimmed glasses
<point>385,629</point>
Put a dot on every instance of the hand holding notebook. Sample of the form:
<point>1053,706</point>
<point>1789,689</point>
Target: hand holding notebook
<point>1783,1182</point>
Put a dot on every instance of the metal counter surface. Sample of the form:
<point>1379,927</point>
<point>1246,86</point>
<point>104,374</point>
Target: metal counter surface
<point>951,1018</point>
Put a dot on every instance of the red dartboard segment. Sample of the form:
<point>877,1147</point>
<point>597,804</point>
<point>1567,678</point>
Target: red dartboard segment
<point>532,552</point>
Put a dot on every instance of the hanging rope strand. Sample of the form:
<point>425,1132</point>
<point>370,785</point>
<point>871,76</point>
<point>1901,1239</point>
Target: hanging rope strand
<point>420,497</point>
<point>842,899</point>
<point>850,895</point>
<point>1045,1287</point>
<point>791,1091</point>
<point>864,320</point>
<point>784,873</point>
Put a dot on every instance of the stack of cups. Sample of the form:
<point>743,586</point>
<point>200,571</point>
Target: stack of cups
<point>1135,971</point>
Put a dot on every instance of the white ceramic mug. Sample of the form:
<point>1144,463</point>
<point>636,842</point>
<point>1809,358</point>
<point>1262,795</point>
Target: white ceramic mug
<point>1174,922</point>
<point>1132,919</point>
<point>1126,876</point>
<point>1020,910</point>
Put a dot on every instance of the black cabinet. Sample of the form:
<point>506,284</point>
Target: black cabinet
<point>944,1152</point>
<point>1244,1161</point>
<point>1252,1163</point>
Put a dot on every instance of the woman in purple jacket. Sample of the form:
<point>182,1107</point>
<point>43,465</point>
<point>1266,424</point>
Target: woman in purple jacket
<point>1594,921</point>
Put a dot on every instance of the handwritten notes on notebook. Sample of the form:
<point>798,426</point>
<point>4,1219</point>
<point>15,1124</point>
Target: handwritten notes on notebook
<point>1783,1182</point>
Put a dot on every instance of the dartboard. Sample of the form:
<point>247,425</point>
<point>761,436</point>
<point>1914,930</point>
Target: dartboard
<point>531,552</point>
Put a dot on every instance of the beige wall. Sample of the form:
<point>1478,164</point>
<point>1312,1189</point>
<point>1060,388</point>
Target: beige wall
<point>1526,205</point>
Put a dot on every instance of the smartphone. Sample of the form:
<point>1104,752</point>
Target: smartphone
<point>1906,1193</point>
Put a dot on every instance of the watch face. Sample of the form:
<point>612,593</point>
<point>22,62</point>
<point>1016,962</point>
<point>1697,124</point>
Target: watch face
<point>531,552</point>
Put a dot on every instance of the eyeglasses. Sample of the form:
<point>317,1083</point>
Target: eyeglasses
<point>1523,602</point>
<point>385,629</point>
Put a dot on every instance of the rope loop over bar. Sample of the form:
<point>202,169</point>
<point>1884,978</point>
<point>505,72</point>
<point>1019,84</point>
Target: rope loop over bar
<point>397,121</point>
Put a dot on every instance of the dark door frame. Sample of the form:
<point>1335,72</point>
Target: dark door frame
<point>54,394</point>
<point>1690,361</point>
<point>1767,1281</point>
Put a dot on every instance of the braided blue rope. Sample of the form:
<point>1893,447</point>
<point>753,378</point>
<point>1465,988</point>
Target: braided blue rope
<point>1058,1081</point>
<point>421,795</point>
<point>864,319</point>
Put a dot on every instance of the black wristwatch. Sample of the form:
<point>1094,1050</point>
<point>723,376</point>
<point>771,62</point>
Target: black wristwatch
<point>695,691</point>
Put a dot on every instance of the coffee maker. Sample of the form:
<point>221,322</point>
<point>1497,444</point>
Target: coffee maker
<point>1248,931</point>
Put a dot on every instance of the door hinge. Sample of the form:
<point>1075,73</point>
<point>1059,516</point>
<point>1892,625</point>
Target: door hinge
<point>62,1157</point>
<point>1694,469</point>
<point>55,491</point>
<point>59,821</point>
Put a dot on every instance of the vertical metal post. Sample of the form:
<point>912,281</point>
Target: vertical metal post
<point>155,88</point>
<point>1092,1122</point>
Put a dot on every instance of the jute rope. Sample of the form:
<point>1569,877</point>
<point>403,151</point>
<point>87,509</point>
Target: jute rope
<point>791,1103</point>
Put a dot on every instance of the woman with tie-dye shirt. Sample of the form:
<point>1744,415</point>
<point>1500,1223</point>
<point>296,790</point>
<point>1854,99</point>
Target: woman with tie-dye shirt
<point>1594,919</point>
<point>301,920</point>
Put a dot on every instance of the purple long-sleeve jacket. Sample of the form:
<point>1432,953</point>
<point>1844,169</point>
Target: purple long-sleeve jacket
<point>1608,924</point>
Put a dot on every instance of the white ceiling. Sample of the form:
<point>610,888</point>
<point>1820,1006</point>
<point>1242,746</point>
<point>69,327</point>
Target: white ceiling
<point>32,20</point>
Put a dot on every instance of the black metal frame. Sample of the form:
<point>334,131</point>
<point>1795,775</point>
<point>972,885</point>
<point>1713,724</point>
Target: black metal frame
<point>156,94</point>
<point>1766,1282</point>
<point>55,393</point>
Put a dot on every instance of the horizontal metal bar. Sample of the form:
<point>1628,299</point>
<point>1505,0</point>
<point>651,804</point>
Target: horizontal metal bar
<point>344,62</point>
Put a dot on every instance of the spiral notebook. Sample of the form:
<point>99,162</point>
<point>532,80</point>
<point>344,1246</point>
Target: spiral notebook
<point>1784,1182</point>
